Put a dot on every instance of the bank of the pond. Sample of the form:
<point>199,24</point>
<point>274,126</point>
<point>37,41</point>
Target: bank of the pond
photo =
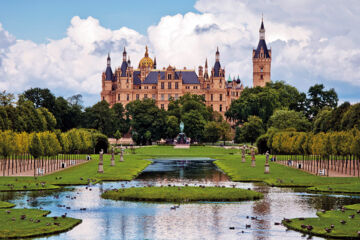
<point>280,175</point>
<point>342,223</point>
<point>181,194</point>
<point>6,205</point>
<point>24,223</point>
<point>352,188</point>
<point>79,175</point>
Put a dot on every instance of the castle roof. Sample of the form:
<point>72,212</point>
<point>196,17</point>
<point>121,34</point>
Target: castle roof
<point>262,44</point>
<point>109,74</point>
<point>188,77</point>
<point>123,67</point>
<point>217,68</point>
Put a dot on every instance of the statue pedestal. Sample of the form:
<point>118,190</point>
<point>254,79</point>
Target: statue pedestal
<point>112,162</point>
<point>100,168</point>
<point>181,141</point>
<point>253,164</point>
<point>267,168</point>
<point>182,146</point>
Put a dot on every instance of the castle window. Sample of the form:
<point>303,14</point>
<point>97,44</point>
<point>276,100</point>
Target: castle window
<point>139,87</point>
<point>162,85</point>
<point>211,106</point>
<point>153,87</point>
<point>128,97</point>
<point>220,98</point>
<point>220,108</point>
<point>212,97</point>
<point>169,85</point>
<point>261,77</point>
<point>127,80</point>
<point>237,94</point>
<point>103,98</point>
<point>176,85</point>
<point>154,96</point>
<point>169,76</point>
<point>162,97</point>
<point>137,97</point>
<point>118,97</point>
<point>220,80</point>
<point>195,87</point>
<point>169,96</point>
<point>261,69</point>
<point>162,106</point>
<point>145,96</point>
<point>204,96</point>
<point>208,86</point>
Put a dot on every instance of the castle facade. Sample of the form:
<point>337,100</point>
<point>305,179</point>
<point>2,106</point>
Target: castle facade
<point>127,83</point>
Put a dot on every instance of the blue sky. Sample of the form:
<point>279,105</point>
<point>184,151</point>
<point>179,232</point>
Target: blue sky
<point>62,45</point>
<point>39,20</point>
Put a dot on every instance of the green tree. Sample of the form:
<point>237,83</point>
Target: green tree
<point>172,127</point>
<point>212,132</point>
<point>250,130</point>
<point>117,136</point>
<point>318,98</point>
<point>41,98</point>
<point>283,119</point>
<point>100,117</point>
<point>35,147</point>
<point>6,99</point>
<point>194,125</point>
<point>351,118</point>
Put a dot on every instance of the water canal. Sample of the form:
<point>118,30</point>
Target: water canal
<point>107,219</point>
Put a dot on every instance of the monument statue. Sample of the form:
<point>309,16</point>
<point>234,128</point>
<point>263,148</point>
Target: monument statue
<point>181,140</point>
<point>112,157</point>
<point>267,166</point>
<point>253,157</point>
<point>243,148</point>
<point>101,167</point>
<point>181,127</point>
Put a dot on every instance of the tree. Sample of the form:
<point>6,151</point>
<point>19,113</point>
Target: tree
<point>172,127</point>
<point>41,98</point>
<point>212,132</point>
<point>283,119</point>
<point>35,147</point>
<point>351,118</point>
<point>250,130</point>
<point>318,98</point>
<point>99,117</point>
<point>117,136</point>
<point>146,116</point>
<point>321,122</point>
<point>262,102</point>
<point>6,99</point>
<point>194,124</point>
<point>120,123</point>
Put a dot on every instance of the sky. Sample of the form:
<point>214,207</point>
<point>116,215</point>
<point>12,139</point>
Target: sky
<point>63,45</point>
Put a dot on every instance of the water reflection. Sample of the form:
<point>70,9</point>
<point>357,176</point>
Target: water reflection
<point>106,219</point>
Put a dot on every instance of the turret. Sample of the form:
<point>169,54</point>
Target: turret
<point>154,62</point>
<point>124,55</point>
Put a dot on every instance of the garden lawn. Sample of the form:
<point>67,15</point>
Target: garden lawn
<point>279,175</point>
<point>79,175</point>
<point>182,194</point>
<point>348,230</point>
<point>6,205</point>
<point>34,224</point>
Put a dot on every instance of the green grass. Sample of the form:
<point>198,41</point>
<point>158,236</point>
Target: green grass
<point>34,225</point>
<point>338,188</point>
<point>181,194</point>
<point>349,230</point>
<point>79,175</point>
<point>6,205</point>
<point>279,175</point>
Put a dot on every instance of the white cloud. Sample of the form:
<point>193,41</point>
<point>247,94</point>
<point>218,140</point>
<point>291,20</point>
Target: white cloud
<point>310,40</point>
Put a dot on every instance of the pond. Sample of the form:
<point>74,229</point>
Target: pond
<point>107,219</point>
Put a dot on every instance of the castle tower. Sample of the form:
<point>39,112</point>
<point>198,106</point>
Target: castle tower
<point>261,61</point>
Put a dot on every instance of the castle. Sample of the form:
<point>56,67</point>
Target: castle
<point>127,83</point>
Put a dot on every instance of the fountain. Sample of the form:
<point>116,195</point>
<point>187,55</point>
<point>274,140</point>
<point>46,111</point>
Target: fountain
<point>181,140</point>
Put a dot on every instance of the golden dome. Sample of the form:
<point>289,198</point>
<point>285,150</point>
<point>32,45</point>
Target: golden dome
<point>146,61</point>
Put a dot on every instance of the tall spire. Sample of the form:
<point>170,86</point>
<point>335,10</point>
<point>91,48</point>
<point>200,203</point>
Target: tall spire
<point>154,62</point>
<point>129,62</point>
<point>206,65</point>
<point>124,55</point>
<point>262,29</point>
<point>217,54</point>
<point>108,60</point>
<point>146,52</point>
